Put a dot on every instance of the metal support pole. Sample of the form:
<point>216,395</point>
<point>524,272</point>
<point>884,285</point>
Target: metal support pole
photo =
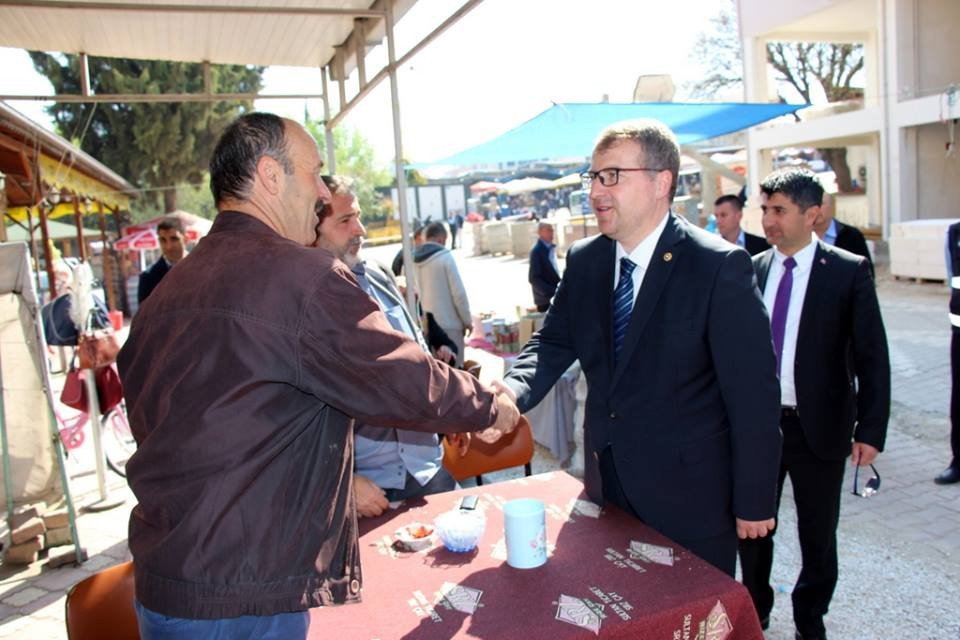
<point>327,130</point>
<point>408,268</point>
<point>93,411</point>
<point>7,479</point>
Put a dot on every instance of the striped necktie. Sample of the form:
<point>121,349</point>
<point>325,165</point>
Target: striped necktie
<point>622,303</point>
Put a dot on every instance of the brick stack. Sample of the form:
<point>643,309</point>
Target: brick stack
<point>35,528</point>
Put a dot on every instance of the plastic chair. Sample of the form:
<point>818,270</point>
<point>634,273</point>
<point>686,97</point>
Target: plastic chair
<point>101,607</point>
<point>512,450</point>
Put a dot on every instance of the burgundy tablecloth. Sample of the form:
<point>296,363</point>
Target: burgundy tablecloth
<point>600,580</point>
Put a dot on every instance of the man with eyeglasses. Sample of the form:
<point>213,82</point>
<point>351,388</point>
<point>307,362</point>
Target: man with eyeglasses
<point>834,370</point>
<point>681,415</point>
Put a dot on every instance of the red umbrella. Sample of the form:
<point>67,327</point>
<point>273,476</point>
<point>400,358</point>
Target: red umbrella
<point>485,186</point>
<point>139,241</point>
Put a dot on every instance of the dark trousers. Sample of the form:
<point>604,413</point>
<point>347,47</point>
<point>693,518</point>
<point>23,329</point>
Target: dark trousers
<point>816,490</point>
<point>955,396</point>
<point>720,551</point>
<point>440,482</point>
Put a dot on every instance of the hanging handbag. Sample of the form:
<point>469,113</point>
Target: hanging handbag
<point>109,389</point>
<point>74,392</point>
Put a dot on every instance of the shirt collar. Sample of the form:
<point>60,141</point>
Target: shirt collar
<point>741,239</point>
<point>830,237</point>
<point>642,253</point>
<point>804,257</point>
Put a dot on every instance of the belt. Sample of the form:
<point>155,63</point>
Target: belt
<point>789,412</point>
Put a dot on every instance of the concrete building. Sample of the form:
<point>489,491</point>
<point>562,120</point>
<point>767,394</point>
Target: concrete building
<point>900,137</point>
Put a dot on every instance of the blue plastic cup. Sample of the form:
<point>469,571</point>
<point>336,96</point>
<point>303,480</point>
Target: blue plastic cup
<point>525,532</point>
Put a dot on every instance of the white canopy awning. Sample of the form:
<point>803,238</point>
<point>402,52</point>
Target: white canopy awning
<point>301,33</point>
<point>335,35</point>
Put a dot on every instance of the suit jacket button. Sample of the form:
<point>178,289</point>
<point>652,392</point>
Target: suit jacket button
<point>613,415</point>
<point>354,586</point>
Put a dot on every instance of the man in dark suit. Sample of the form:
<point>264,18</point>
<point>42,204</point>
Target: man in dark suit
<point>834,370</point>
<point>544,276</point>
<point>833,232</point>
<point>951,475</point>
<point>170,234</point>
<point>680,427</point>
<point>728,211</point>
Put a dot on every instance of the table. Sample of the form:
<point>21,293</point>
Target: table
<point>552,420</point>
<point>608,576</point>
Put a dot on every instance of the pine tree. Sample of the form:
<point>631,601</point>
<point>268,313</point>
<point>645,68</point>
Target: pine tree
<point>156,146</point>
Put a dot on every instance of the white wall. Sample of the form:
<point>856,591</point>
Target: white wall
<point>938,54</point>
<point>938,177</point>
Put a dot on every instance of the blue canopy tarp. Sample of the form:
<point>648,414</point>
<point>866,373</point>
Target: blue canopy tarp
<point>569,130</point>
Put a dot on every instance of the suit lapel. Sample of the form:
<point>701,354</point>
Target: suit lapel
<point>817,284</point>
<point>605,295</point>
<point>654,280</point>
<point>762,268</point>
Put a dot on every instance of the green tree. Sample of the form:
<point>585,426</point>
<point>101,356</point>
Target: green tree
<point>153,145</point>
<point>806,66</point>
<point>718,51</point>
<point>355,158</point>
<point>817,71</point>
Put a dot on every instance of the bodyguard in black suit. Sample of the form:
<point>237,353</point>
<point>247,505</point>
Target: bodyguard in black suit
<point>835,386</point>
<point>951,475</point>
<point>728,212</point>
<point>681,415</point>
<point>543,274</point>
<point>843,236</point>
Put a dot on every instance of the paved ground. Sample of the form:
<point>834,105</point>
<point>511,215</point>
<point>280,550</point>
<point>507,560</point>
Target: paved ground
<point>900,550</point>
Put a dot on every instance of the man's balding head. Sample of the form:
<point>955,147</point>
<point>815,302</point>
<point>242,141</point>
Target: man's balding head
<point>269,168</point>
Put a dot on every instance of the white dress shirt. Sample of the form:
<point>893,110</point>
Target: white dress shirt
<point>640,256</point>
<point>798,292</point>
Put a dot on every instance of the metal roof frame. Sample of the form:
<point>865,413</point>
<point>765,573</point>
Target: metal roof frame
<point>335,35</point>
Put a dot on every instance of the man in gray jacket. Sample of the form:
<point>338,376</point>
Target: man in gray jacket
<point>242,378</point>
<point>441,290</point>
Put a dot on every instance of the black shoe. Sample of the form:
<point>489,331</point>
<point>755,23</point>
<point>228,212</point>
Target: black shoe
<point>801,636</point>
<point>950,475</point>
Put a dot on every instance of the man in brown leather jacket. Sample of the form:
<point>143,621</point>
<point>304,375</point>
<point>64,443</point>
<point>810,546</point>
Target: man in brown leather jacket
<point>242,378</point>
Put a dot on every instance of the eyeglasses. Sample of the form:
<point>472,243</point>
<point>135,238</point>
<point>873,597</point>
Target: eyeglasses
<point>608,177</point>
<point>872,486</point>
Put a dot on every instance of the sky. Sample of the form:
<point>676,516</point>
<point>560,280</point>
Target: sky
<point>501,65</point>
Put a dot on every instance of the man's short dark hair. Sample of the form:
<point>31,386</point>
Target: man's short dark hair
<point>801,186</point>
<point>242,144</point>
<point>337,185</point>
<point>730,199</point>
<point>170,223</point>
<point>435,231</point>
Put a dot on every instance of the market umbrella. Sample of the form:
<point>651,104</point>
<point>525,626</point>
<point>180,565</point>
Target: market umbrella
<point>138,241</point>
<point>194,227</point>
<point>526,185</point>
<point>485,186</point>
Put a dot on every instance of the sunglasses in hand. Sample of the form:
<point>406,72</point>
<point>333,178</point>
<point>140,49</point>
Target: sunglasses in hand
<point>870,488</point>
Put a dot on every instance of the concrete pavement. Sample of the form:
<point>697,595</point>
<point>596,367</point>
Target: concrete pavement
<point>899,550</point>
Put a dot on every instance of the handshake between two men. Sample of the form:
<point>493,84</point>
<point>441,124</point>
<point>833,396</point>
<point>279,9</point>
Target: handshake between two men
<point>394,465</point>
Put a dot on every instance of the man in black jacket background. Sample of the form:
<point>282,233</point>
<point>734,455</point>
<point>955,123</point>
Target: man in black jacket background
<point>837,234</point>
